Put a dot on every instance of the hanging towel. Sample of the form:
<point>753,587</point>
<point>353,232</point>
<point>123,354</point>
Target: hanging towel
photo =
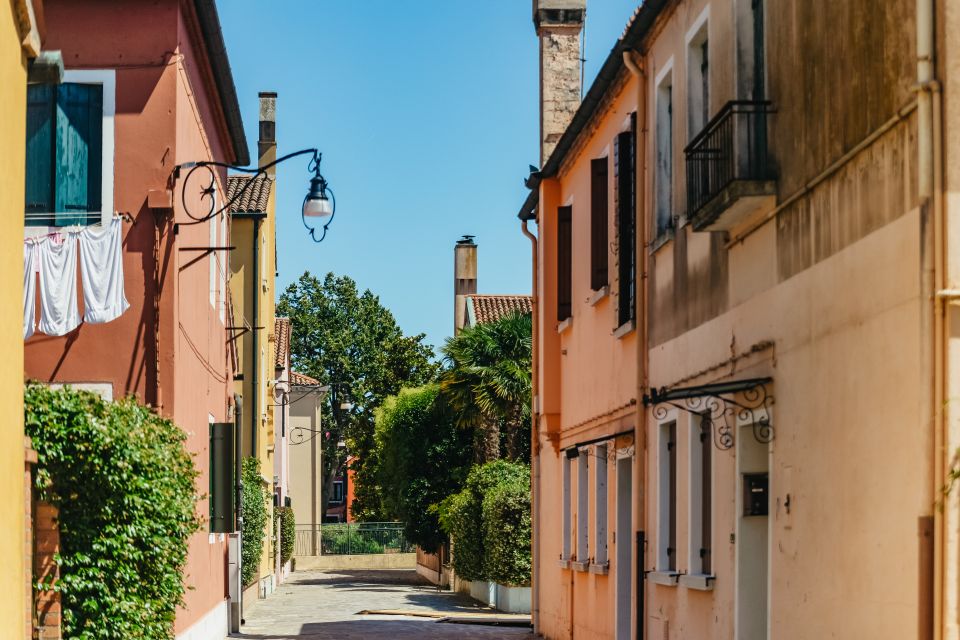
<point>29,289</point>
<point>101,267</point>
<point>59,314</point>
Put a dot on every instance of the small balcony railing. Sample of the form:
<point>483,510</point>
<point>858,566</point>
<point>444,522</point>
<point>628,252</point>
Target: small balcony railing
<point>732,147</point>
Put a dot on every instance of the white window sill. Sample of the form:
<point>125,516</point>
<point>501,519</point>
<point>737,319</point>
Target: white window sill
<point>600,569</point>
<point>666,578</point>
<point>662,239</point>
<point>563,564</point>
<point>564,325</point>
<point>580,566</point>
<point>698,581</point>
<point>598,295</point>
<point>625,329</point>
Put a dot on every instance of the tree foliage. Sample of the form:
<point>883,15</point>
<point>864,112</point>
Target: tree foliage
<point>350,341</point>
<point>284,526</point>
<point>489,521</point>
<point>422,458</point>
<point>255,514</point>
<point>487,385</point>
<point>124,485</point>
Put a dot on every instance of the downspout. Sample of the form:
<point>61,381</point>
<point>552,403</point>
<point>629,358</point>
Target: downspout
<point>643,344</point>
<point>238,482</point>
<point>534,436</point>
<point>254,377</point>
<point>931,614</point>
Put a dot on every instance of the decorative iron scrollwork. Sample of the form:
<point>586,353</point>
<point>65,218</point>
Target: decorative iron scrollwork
<point>721,407</point>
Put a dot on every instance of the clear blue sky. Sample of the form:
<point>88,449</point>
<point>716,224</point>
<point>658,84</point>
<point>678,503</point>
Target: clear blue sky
<point>426,114</point>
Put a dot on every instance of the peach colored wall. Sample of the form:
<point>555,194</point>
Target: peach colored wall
<point>166,114</point>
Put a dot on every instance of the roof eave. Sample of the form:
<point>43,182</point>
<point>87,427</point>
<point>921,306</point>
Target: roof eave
<point>223,76</point>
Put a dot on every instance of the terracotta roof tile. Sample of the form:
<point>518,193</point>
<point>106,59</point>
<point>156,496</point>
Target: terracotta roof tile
<point>281,332</point>
<point>490,308</point>
<point>254,199</point>
<point>301,380</point>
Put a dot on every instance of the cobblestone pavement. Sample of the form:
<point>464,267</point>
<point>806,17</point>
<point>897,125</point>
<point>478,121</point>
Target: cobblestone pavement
<point>321,605</point>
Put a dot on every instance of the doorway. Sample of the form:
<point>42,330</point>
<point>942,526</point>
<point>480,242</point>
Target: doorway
<point>752,537</point>
<point>624,566</point>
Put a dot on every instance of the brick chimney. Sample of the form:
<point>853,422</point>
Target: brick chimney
<point>464,279</point>
<point>267,144</point>
<point>558,24</point>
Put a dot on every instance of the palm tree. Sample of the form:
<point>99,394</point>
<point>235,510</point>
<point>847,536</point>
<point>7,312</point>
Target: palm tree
<point>487,383</point>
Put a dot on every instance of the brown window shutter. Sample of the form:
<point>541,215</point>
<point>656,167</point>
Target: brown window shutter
<point>626,187</point>
<point>564,262</point>
<point>598,224</point>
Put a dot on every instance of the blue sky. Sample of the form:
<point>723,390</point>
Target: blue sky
<point>426,114</point>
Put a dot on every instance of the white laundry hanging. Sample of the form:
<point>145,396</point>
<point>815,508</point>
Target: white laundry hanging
<point>29,289</point>
<point>101,269</point>
<point>59,314</point>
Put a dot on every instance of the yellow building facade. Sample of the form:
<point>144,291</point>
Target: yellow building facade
<point>253,293</point>
<point>19,41</point>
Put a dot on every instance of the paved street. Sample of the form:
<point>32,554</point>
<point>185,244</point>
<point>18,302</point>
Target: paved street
<point>321,605</point>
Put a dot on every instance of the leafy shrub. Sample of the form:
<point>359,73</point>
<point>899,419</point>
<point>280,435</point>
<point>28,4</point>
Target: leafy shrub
<point>506,525</point>
<point>124,484</point>
<point>254,510</point>
<point>462,516</point>
<point>421,457</point>
<point>283,520</point>
<point>348,540</point>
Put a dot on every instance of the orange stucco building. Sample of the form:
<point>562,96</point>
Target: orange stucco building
<point>167,98</point>
<point>745,267</point>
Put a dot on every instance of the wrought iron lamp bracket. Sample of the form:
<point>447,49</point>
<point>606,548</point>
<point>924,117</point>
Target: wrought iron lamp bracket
<point>719,409</point>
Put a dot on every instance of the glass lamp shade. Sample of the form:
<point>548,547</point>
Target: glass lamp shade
<point>317,207</point>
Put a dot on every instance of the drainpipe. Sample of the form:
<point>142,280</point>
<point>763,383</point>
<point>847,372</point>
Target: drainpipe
<point>535,436</point>
<point>643,344</point>
<point>933,341</point>
<point>238,482</point>
<point>254,377</point>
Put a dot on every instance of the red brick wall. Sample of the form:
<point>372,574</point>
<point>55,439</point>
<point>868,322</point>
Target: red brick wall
<point>29,459</point>
<point>46,543</point>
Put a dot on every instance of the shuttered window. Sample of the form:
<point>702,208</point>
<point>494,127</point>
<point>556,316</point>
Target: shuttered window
<point>599,222</point>
<point>626,198</point>
<point>564,263</point>
<point>64,153</point>
<point>222,481</point>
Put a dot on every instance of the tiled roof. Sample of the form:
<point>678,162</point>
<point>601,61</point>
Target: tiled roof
<point>490,308</point>
<point>301,380</point>
<point>254,199</point>
<point>281,333</point>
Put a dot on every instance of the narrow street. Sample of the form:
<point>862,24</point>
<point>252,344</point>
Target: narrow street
<point>321,605</point>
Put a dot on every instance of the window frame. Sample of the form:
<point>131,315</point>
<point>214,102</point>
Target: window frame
<point>600,223</point>
<point>600,544</point>
<point>583,506</point>
<point>666,496</point>
<point>664,174</point>
<point>565,262</point>
<point>701,493</point>
<point>625,212</point>
<point>566,548</point>
<point>107,78</point>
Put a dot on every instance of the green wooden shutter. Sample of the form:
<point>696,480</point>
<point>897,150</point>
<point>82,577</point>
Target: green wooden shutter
<point>41,105</point>
<point>222,485</point>
<point>79,152</point>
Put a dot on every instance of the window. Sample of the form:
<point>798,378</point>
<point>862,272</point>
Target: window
<point>600,508</point>
<point>567,524</point>
<point>664,155</point>
<point>599,220</point>
<point>69,150</point>
<point>583,506</point>
<point>564,263</point>
<point>701,495</point>
<point>667,489</point>
<point>698,75</point>
<point>624,149</point>
<point>337,492</point>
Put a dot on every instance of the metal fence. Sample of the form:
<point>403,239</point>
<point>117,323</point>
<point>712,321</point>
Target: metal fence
<point>352,538</point>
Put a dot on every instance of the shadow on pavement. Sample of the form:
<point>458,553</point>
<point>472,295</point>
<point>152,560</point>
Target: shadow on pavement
<point>394,630</point>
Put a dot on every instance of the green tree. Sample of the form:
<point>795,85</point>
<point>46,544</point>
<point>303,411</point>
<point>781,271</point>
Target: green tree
<point>422,458</point>
<point>350,341</point>
<point>487,385</point>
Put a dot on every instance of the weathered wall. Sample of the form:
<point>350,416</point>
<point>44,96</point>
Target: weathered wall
<point>13,561</point>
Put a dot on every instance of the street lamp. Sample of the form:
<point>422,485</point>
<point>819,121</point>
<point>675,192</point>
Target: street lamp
<point>319,204</point>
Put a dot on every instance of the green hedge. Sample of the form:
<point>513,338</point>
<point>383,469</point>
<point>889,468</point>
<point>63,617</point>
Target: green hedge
<point>489,522</point>
<point>124,484</point>
<point>283,519</point>
<point>255,516</point>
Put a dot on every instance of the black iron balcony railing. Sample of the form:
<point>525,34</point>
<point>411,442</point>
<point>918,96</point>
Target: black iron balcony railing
<point>731,147</point>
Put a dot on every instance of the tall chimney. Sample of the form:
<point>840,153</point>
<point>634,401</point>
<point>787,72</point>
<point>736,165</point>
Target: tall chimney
<point>464,279</point>
<point>558,24</point>
<point>267,144</point>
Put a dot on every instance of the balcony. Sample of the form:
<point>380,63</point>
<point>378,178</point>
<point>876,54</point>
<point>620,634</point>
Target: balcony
<point>730,177</point>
